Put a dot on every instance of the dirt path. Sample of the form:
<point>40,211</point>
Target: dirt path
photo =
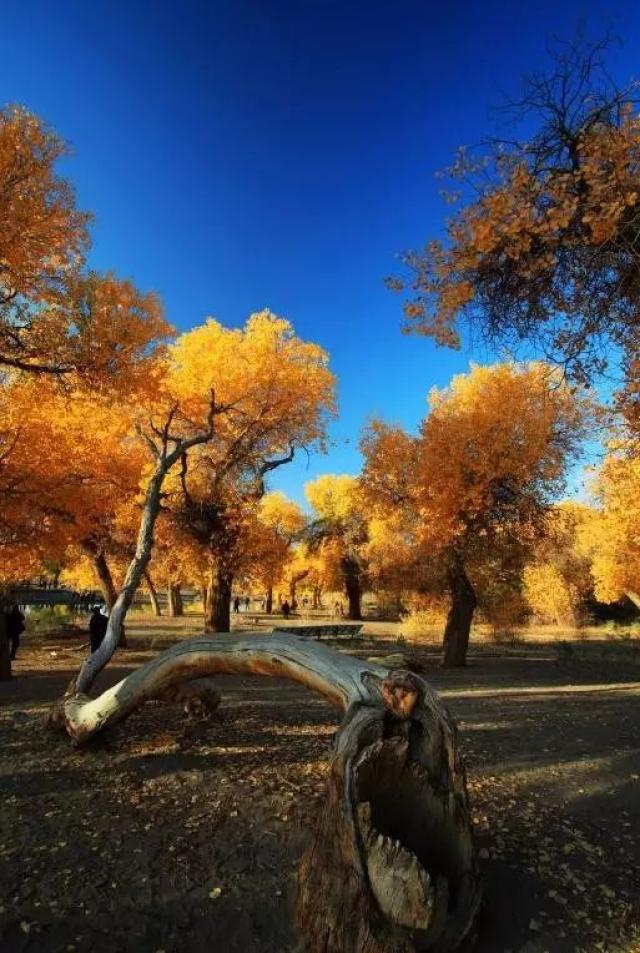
<point>172,838</point>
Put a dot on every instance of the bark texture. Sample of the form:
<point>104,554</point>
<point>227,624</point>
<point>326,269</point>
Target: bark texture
<point>351,576</point>
<point>218,610</point>
<point>392,867</point>
<point>460,615</point>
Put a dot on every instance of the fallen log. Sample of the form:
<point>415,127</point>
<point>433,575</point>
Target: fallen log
<point>392,866</point>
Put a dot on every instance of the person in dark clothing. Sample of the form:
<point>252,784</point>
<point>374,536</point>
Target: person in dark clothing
<point>15,628</point>
<point>236,604</point>
<point>97,628</point>
<point>286,609</point>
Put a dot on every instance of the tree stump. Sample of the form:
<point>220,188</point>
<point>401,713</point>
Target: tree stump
<point>392,867</point>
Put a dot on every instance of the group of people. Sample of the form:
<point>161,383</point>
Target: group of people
<point>241,601</point>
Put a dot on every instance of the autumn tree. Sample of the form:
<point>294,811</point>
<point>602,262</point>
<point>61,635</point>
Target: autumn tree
<point>279,521</point>
<point>490,457</point>
<point>612,537</point>
<point>75,463</point>
<point>339,527</point>
<point>557,577</point>
<point>544,247</point>
<point>55,317</point>
<point>280,394</point>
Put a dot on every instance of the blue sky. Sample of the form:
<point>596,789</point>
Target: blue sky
<point>249,154</point>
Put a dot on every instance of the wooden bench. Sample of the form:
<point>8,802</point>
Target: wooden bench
<point>317,631</point>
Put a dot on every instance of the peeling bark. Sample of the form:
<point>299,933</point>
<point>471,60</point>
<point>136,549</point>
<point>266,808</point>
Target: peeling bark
<point>392,866</point>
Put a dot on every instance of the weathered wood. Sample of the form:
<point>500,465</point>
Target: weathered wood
<point>392,865</point>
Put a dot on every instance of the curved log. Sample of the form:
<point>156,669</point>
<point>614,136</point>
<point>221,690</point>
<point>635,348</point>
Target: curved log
<point>392,866</point>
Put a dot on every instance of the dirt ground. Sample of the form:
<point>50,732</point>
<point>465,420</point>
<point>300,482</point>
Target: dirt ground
<point>178,838</point>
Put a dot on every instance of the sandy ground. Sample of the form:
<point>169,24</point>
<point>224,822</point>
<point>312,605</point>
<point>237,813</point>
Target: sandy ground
<point>182,838</point>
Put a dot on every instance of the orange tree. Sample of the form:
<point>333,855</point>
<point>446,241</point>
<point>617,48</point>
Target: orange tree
<point>279,523</point>
<point>612,537</point>
<point>55,318</point>
<point>489,458</point>
<point>338,530</point>
<point>558,585</point>
<point>280,393</point>
<point>545,246</point>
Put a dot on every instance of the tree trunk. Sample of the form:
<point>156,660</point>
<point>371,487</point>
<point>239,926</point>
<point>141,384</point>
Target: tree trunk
<point>392,867</point>
<point>460,615</point>
<point>177,597</point>
<point>269,600</point>
<point>351,577</point>
<point>218,614</point>
<point>171,600</point>
<point>105,582</point>
<point>137,567</point>
<point>633,597</point>
<point>293,583</point>
<point>108,589</point>
<point>153,595</point>
<point>316,598</point>
<point>5,653</point>
<point>105,579</point>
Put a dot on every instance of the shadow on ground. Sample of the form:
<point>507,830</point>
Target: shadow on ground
<point>173,837</point>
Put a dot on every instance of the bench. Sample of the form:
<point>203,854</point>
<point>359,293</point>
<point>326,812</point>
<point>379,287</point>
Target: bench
<point>317,631</point>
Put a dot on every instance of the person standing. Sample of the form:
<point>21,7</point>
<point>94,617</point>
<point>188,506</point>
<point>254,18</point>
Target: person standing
<point>236,604</point>
<point>97,628</point>
<point>15,628</point>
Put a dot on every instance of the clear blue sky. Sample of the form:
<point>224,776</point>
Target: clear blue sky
<point>262,153</point>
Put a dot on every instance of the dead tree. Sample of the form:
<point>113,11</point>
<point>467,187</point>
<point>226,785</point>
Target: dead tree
<point>392,866</point>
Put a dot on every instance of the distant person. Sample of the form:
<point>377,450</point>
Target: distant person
<point>338,609</point>
<point>236,604</point>
<point>247,602</point>
<point>15,628</point>
<point>97,628</point>
<point>286,609</point>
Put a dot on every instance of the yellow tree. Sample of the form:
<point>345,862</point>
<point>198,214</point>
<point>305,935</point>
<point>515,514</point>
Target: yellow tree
<point>612,537</point>
<point>490,457</point>
<point>279,522</point>
<point>339,526</point>
<point>544,246</point>
<point>557,580</point>
<point>54,317</point>
<point>76,463</point>
<point>280,393</point>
